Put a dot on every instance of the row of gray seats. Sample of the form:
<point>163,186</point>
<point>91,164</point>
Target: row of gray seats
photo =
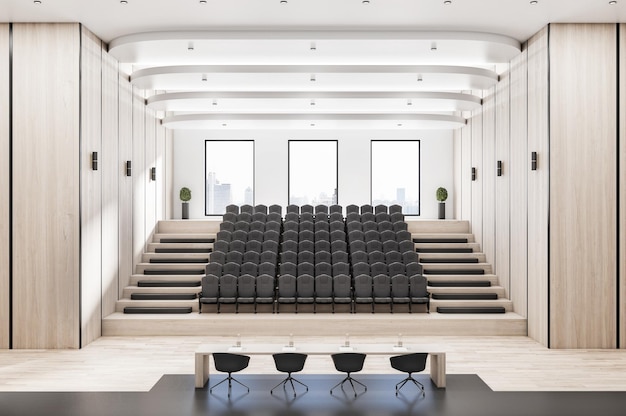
<point>319,256</point>
<point>249,209</point>
<point>220,258</point>
<point>250,226</point>
<point>245,236</point>
<point>224,247</point>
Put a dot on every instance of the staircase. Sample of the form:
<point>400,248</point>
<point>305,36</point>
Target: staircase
<point>168,279</point>
<point>459,278</point>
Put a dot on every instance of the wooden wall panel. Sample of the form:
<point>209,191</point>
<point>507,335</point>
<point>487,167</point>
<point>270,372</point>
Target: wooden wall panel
<point>488,176</point>
<point>46,174</point>
<point>458,172</point>
<point>583,186</point>
<point>5,197</point>
<point>622,185</point>
<point>160,171</point>
<point>538,187</point>
<point>503,182</point>
<point>150,162</point>
<point>112,171</point>
<point>140,177</point>
<point>91,186</point>
<point>518,169</point>
<point>125,119</point>
<point>466,168</point>
<point>477,185</point>
<point>169,174</point>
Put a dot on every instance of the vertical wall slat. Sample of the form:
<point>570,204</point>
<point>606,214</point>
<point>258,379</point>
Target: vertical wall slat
<point>466,167</point>
<point>5,177</point>
<point>140,177</point>
<point>125,138</point>
<point>622,185</point>
<point>150,185</point>
<point>477,185</point>
<point>488,176</point>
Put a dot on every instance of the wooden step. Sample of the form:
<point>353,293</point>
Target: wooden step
<point>167,277</point>
<point>165,310</point>
<point>448,260</point>
<point>471,310</point>
<point>455,257</point>
<point>163,296</point>
<point>183,250</point>
<point>184,238</point>
<point>168,283</point>
<point>452,268</point>
<point>162,303</point>
<point>170,268</point>
<point>438,226</point>
<point>189,290</point>
<point>179,260</point>
<point>492,278</point>
<point>172,272</point>
<point>471,303</point>
<point>203,226</point>
<point>465,296</point>
<point>460,283</point>
<point>443,250</point>
<point>455,271</point>
<point>475,247</point>
<point>498,290</point>
<point>438,238</point>
<point>187,240</point>
<point>153,247</point>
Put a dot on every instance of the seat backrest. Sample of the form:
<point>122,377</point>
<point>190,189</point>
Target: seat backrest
<point>374,245</point>
<point>232,208</point>
<point>335,209</point>
<point>287,286</point>
<point>371,235</point>
<point>288,268</point>
<point>323,268</point>
<point>381,286</point>
<point>413,269</point>
<point>218,257</point>
<point>380,208</point>
<point>359,257</point>
<point>335,217</point>
<point>360,268</point>
<point>418,286</point>
<point>260,208</point>
<point>221,245</point>
<point>289,257</point>
<point>393,257</point>
<point>341,268</point>
<point>353,217</point>
<point>270,245</point>
<point>246,286</point>
<point>369,225</point>
<point>396,217</point>
<point>323,286</point>
<point>363,286</point>
<point>247,208</point>
<point>257,226</point>
<point>306,268</point>
<point>268,257</point>
<point>399,286</point>
<point>306,257</point>
<point>259,217</point>
<point>251,257</point>
<point>376,256</point>
<point>226,362</point>
<point>292,216</point>
<point>228,286</point>
<point>293,208</point>
<point>400,226</point>
<point>231,268</point>
<point>234,257</point>
<point>306,235</point>
<point>378,268</point>
<point>267,268</point>
<point>306,245</point>
<point>352,209</point>
<point>357,245</point>
<point>306,208</point>
<point>366,208</point>
<point>214,269</point>
<point>307,226</point>
<point>305,285</point>
<point>272,231</point>
<point>322,256</point>
<point>410,257</point>
<point>339,256</point>
<point>289,362</point>
<point>390,245</point>
<point>291,225</point>
<point>356,235</point>
<point>237,245</point>
<point>249,268</point>
<point>256,235</point>
<point>231,216</point>
<point>210,286</point>
<point>383,217</point>
<point>254,245</point>
<point>385,226</point>
<point>409,363</point>
<point>406,245</point>
<point>348,362</point>
<point>322,245</point>
<point>244,217</point>
<point>341,286</point>
<point>276,209</point>
<point>321,208</point>
<point>227,225</point>
<point>322,235</point>
<point>240,235</point>
<point>274,216</point>
<point>322,226</point>
<point>265,286</point>
<point>395,208</point>
<point>224,235</point>
<point>307,216</point>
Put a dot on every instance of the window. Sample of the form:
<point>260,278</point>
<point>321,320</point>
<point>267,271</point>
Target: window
<point>396,174</point>
<point>313,172</point>
<point>229,174</point>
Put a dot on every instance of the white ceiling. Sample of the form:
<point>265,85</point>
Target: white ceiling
<point>296,52</point>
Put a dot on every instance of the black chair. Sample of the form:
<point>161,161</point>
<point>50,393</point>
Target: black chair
<point>348,362</point>
<point>289,362</point>
<point>410,363</point>
<point>226,362</point>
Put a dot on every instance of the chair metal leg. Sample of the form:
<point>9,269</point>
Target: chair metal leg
<point>241,384</point>
<point>338,384</point>
<point>211,389</point>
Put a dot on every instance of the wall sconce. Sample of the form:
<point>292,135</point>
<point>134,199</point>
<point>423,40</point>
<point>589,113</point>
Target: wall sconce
<point>153,174</point>
<point>473,174</point>
<point>499,168</point>
<point>533,161</point>
<point>94,160</point>
<point>129,168</point>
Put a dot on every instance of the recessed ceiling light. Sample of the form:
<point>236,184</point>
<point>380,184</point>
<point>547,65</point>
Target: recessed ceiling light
<point>399,124</point>
<point>204,77</point>
<point>312,124</point>
<point>366,2</point>
<point>190,46</point>
<point>203,1</point>
<point>214,102</point>
<point>313,77</point>
<point>224,124</point>
<point>613,2</point>
<point>313,46</point>
<point>37,1</point>
<point>419,78</point>
<point>433,46</point>
<point>447,2</point>
<point>409,102</point>
<point>533,2</point>
<point>123,2</point>
<point>312,102</point>
<point>283,1</point>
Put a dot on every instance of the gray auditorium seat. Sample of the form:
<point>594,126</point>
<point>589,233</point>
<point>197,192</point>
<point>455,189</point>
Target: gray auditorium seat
<point>323,293</point>
<point>274,216</point>
<point>290,235</point>
<point>305,235</point>
<point>393,257</point>
<point>249,268</point>
<point>256,235</point>
<point>359,257</point>
<point>322,245</point>
<point>370,226</point>
<point>306,257</point>
<point>254,245</point>
<point>323,268</point>
<point>382,216</point>
<point>234,257</point>
<point>337,226</point>
<point>306,245</point>
<point>289,257</point>
<point>354,226</point>
<point>257,226</point>
<point>275,209</point>
<point>410,257</point>
<point>357,245</point>
<point>390,245</point>
<point>218,257</point>
<point>246,208</point>
<point>288,268</point>
<point>321,208</point>
<point>418,289</point>
<point>363,296</point>
<point>371,235</point>
<point>400,226</point>
<point>322,226</point>
<point>307,226</point>
<point>259,216</point>
<point>272,226</point>
<point>400,294</point>
<point>237,245</point>
<point>230,216</point>
<point>307,216</point>
<point>342,294</point>
<point>240,235</point>
<point>341,268</point>
<point>292,216</point>
<point>368,216</point>
<point>374,245</point>
<point>376,257</point>
<point>227,300</point>
<point>353,217</point>
<point>385,226</point>
<point>286,294</point>
<point>264,301</point>
<point>339,257</point>
<point>413,269</point>
<point>305,293</point>
<point>293,208</point>
<point>335,209</point>
<point>396,217</point>
<point>395,268</point>
<point>268,257</point>
<point>366,209</point>
<point>244,216</point>
<point>380,208</point>
<point>306,268</point>
<point>406,246</point>
<point>395,208</point>
<point>231,268</point>
<point>232,208</point>
<point>214,269</point>
<point>360,268</point>
<point>356,235</point>
<point>335,216</point>
<point>387,236</point>
<point>210,292</point>
<point>338,245</point>
<point>306,208</point>
<point>267,268</point>
<point>403,235</point>
<point>338,235</point>
<point>221,245</point>
<point>291,226</point>
<point>242,225</point>
<point>270,245</point>
<point>246,293</point>
<point>323,256</point>
<point>352,209</point>
<point>382,293</point>
<point>227,225</point>
<point>321,216</point>
<point>251,257</point>
<point>224,235</point>
<point>260,208</point>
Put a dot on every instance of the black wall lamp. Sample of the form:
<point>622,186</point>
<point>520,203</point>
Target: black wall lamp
<point>153,174</point>
<point>129,168</point>
<point>94,160</point>
<point>533,161</point>
<point>499,168</point>
<point>473,174</point>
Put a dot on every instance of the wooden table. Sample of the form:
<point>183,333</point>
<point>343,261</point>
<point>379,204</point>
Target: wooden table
<point>437,359</point>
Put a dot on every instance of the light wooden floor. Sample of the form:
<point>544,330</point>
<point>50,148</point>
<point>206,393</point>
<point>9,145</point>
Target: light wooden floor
<point>137,363</point>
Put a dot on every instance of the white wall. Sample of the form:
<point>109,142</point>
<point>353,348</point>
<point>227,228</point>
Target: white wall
<point>271,166</point>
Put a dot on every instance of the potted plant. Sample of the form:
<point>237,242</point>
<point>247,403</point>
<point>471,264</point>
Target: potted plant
<point>442,195</point>
<point>185,196</point>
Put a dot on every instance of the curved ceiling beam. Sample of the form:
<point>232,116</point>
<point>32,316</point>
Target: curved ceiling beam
<point>347,102</point>
<point>307,47</point>
<point>319,121</point>
<point>314,78</point>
